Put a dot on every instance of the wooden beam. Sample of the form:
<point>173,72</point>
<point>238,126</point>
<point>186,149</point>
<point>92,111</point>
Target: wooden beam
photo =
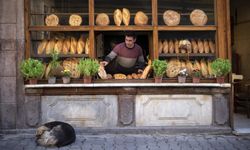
<point>91,30</point>
<point>26,26</point>
<point>154,52</point>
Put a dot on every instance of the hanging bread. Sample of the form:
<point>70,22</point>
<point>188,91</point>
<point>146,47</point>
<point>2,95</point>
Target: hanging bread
<point>200,46</point>
<point>176,45</point>
<point>59,46</point>
<point>66,46</point>
<point>41,47</point>
<point>52,20</point>
<point>165,46</point>
<point>189,67</point>
<point>87,46</point>
<point>160,45</point>
<point>204,68</point>
<point>118,17</point>
<point>171,18</point>
<point>72,64</point>
<point>75,20</point>
<point>50,46</point>
<point>194,46</point>
<point>102,19</point>
<point>198,17</point>
<point>146,70</point>
<point>80,45</point>
<point>171,46</point>
<point>73,45</point>
<point>173,68</point>
<point>141,18</point>
<point>211,46</point>
<point>206,46</point>
<point>125,16</point>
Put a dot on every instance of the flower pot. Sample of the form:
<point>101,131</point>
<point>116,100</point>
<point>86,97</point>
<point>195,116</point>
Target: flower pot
<point>52,80</point>
<point>196,80</point>
<point>158,79</point>
<point>32,81</point>
<point>66,80</point>
<point>181,79</point>
<point>87,79</point>
<point>220,80</point>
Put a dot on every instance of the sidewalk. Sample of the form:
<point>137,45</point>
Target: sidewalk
<point>134,142</point>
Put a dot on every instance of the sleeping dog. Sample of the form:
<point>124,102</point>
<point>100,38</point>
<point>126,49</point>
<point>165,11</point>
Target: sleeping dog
<point>55,133</point>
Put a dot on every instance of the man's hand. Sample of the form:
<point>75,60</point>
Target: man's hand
<point>104,63</point>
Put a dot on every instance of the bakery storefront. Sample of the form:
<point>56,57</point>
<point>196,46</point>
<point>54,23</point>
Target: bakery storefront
<point>186,34</point>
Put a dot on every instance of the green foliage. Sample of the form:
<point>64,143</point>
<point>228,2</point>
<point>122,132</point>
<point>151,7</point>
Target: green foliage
<point>54,62</point>
<point>159,67</point>
<point>88,67</point>
<point>66,73</point>
<point>32,68</point>
<point>196,73</point>
<point>221,67</point>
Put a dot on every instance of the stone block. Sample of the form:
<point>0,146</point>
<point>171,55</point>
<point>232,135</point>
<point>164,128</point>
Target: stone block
<point>8,63</point>
<point>173,110</point>
<point>8,11</point>
<point>8,31</point>
<point>8,116</point>
<point>126,109</point>
<point>221,109</point>
<point>8,45</point>
<point>81,111</point>
<point>8,89</point>
<point>33,109</point>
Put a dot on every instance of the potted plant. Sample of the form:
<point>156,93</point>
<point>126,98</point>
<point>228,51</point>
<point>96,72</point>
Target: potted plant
<point>220,68</point>
<point>196,75</point>
<point>66,76</point>
<point>88,68</point>
<point>159,67</point>
<point>32,69</point>
<point>54,63</point>
<point>182,75</point>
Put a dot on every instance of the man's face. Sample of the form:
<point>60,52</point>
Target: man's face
<point>130,41</point>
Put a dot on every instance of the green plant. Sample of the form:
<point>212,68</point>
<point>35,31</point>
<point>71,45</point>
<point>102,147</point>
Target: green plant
<point>88,67</point>
<point>159,67</point>
<point>221,67</point>
<point>196,73</point>
<point>66,73</point>
<point>54,62</point>
<point>32,68</point>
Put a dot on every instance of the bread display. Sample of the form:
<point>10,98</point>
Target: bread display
<point>173,69</point>
<point>120,76</point>
<point>58,46</point>
<point>52,20</point>
<point>80,45</point>
<point>206,46</point>
<point>66,46</point>
<point>125,16</point>
<point>73,45</point>
<point>200,46</point>
<point>160,46</point>
<point>165,47</point>
<point>50,46</point>
<point>194,46</point>
<point>171,46</point>
<point>71,64</point>
<point>198,17</point>
<point>41,47</point>
<point>75,20</point>
<point>171,18</point>
<point>141,18</point>
<point>211,46</point>
<point>102,19</point>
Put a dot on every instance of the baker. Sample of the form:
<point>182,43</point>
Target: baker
<point>126,57</point>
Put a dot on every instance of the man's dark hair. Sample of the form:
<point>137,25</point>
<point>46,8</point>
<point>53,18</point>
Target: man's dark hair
<point>130,34</point>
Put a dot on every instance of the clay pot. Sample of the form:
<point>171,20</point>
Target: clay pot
<point>87,79</point>
<point>32,81</point>
<point>52,80</point>
<point>66,80</point>
<point>181,79</point>
<point>220,80</point>
<point>196,80</point>
<point>158,79</point>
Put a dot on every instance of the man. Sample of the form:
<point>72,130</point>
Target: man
<point>126,57</point>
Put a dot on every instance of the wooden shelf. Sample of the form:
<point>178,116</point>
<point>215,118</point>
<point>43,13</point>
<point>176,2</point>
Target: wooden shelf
<point>188,55</point>
<point>59,28</point>
<point>186,28</point>
<point>123,28</point>
<point>63,56</point>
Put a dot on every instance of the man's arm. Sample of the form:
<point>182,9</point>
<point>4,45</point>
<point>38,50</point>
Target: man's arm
<point>109,58</point>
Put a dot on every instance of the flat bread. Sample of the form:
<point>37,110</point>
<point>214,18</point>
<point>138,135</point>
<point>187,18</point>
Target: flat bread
<point>52,20</point>
<point>75,20</point>
<point>198,17</point>
<point>171,18</point>
<point>102,19</point>
<point>141,18</point>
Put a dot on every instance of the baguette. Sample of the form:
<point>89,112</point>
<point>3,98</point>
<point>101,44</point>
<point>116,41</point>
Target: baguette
<point>201,46</point>
<point>146,70</point>
<point>194,46</point>
<point>66,46</point>
<point>50,46</point>
<point>80,45</point>
<point>59,46</point>
<point>171,46</point>
<point>165,46</point>
<point>211,46</point>
<point>177,50</point>
<point>118,17</point>
<point>206,46</point>
<point>160,45</point>
<point>41,47</point>
<point>73,45</point>
<point>125,16</point>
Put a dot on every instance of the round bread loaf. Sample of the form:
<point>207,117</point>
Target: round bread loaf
<point>71,64</point>
<point>125,16</point>
<point>198,17</point>
<point>118,17</point>
<point>141,18</point>
<point>75,20</point>
<point>52,20</point>
<point>173,69</point>
<point>171,18</point>
<point>102,19</point>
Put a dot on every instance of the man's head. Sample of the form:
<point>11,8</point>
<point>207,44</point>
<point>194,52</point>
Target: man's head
<point>130,39</point>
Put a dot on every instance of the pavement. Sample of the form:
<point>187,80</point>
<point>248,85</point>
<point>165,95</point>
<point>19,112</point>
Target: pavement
<point>134,142</point>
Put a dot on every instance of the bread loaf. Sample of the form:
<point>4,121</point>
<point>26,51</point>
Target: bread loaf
<point>87,47</point>
<point>80,45</point>
<point>210,73</point>
<point>165,47</point>
<point>146,70</point>
<point>198,17</point>
<point>75,20</point>
<point>102,19</point>
<point>160,45</point>
<point>189,67</point>
<point>59,46</point>
<point>73,45</point>
<point>41,47</point>
<point>206,46</point>
<point>200,46</point>
<point>194,46</point>
<point>118,17</point>
<point>102,73</point>
<point>211,46</point>
<point>50,46</point>
<point>120,76</point>
<point>66,46</point>
<point>125,16</point>
<point>185,46</point>
<point>72,64</point>
<point>196,65</point>
<point>52,20</point>
<point>171,18</point>
<point>176,45</point>
<point>173,69</point>
<point>204,68</point>
<point>141,18</point>
<point>171,46</point>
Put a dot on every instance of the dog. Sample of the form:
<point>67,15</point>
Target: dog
<point>55,134</point>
